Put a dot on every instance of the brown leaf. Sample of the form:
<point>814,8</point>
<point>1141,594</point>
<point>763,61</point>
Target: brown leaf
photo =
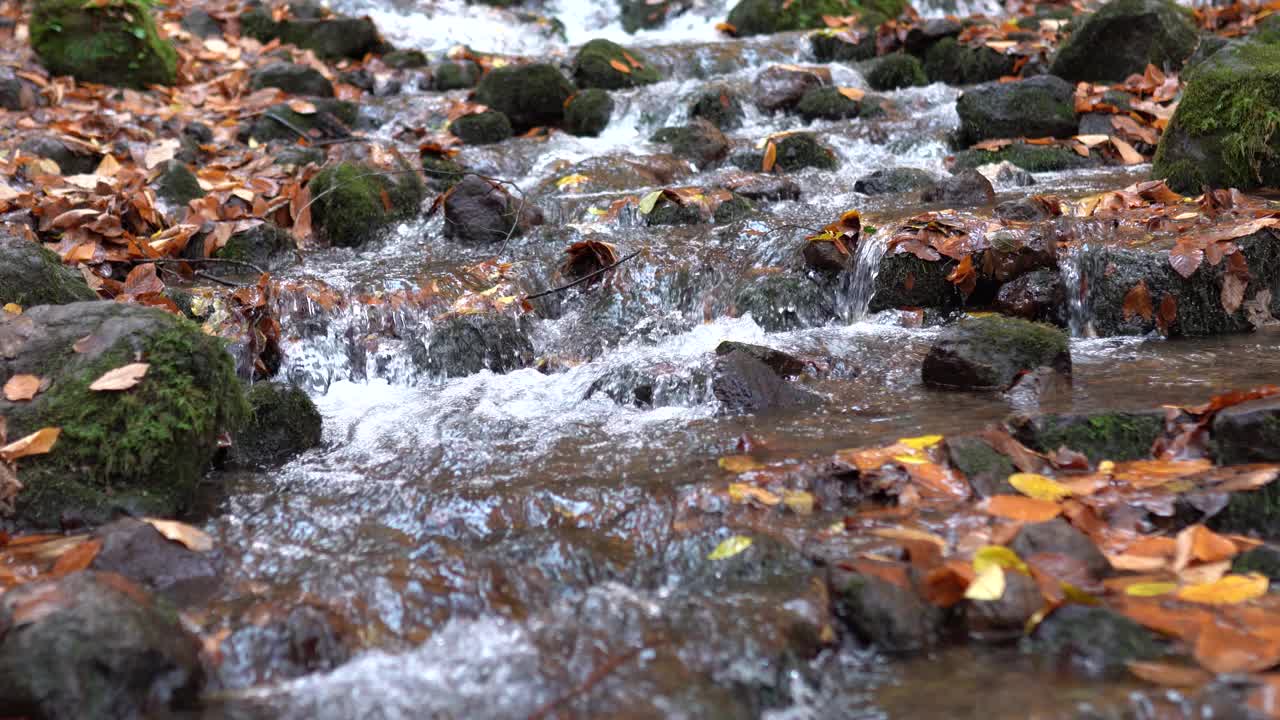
<point>1201,544</point>
<point>1225,649</point>
<point>21,387</point>
<point>1022,509</point>
<point>620,67</point>
<point>964,276</point>
<point>770,157</point>
<point>121,378</point>
<point>77,558</point>
<point>1128,155</point>
<point>1137,302</point>
<point>142,280</point>
<point>192,537</point>
<point>1168,314</point>
<point>37,443</point>
<point>1168,674</point>
<point>1185,257</point>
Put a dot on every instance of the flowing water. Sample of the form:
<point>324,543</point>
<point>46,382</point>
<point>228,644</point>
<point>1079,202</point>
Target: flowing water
<point>498,543</point>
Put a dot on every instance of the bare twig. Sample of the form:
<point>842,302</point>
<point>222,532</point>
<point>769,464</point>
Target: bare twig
<point>582,279</point>
<point>211,261</point>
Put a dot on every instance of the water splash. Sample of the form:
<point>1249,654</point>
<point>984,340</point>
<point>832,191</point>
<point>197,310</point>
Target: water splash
<point>857,287</point>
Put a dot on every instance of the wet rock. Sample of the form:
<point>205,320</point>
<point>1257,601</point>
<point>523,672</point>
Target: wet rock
<point>347,207</point>
<point>827,103</point>
<point>1038,296</point>
<point>781,302</point>
<point>668,212</point>
<point>97,44</point>
<point>967,189</point>
<point>266,246</point>
<point>732,210</point>
<point>455,75</point>
<point>794,151</point>
<point>1058,536</point>
<point>896,70</point>
<point>744,383</point>
<point>331,38</point>
<point>283,423</point>
<point>894,180</point>
<point>530,95</point>
<point>200,23</point>
<point>649,14</point>
<point>597,66</point>
<point>1032,158</point>
<point>783,364</point>
<point>99,647</point>
<point>986,469</point>
<point>829,45</point>
<point>1264,559</point>
<point>144,450</point>
<point>1006,174</point>
<point>719,106</point>
<point>136,550</point>
<point>1122,38</point>
<point>71,159</point>
<point>15,93</point>
<point>32,275</point>
<point>924,35</point>
<point>700,142</point>
<point>332,118</point>
<point>1041,106</point>
<point>905,280</point>
<point>1222,134</point>
<point>588,112</point>
<point>1100,436</point>
<point>441,171</point>
<point>290,644</point>
<point>481,211</point>
<point>1247,433</point>
<point>292,78</point>
<point>763,17</point>
<point>1022,210</point>
<point>1093,641</point>
<point>954,64</point>
<point>466,344</point>
<point>405,59</point>
<point>989,353</point>
<point>1006,617</point>
<point>606,173</point>
<point>1251,512</point>
<point>758,187</point>
<point>1096,123</point>
<point>176,184</point>
<point>780,87</point>
<point>893,618</point>
<point>826,256</point>
<point>483,128</point>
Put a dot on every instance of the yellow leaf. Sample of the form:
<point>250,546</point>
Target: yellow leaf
<point>1229,590</point>
<point>989,585</point>
<point>730,547</point>
<point>193,537</point>
<point>770,157</point>
<point>13,308</point>
<point>1039,487</point>
<point>122,378</point>
<point>999,556</point>
<point>739,463</point>
<point>911,459</point>
<point>743,492</point>
<point>800,501</point>
<point>922,442</point>
<point>37,443</point>
<point>648,201</point>
<point>853,94</point>
<point>1150,589</point>
<point>569,181</point>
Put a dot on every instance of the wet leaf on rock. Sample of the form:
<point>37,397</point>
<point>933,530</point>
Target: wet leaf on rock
<point>1137,302</point>
<point>988,585</point>
<point>745,492</point>
<point>1229,590</point>
<point>121,378</point>
<point>1022,509</point>
<point>730,547</point>
<point>192,537</point>
<point>21,387</point>
<point>37,443</point>
<point>1039,487</point>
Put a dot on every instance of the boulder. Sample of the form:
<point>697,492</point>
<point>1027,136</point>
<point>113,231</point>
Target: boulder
<point>1038,296</point>
<point>927,33</point>
<point>828,45</point>
<point>719,106</point>
<point>32,275</point>
<point>1057,536</point>
<point>893,618</point>
<point>1006,617</point>
<point>136,550</point>
<point>466,344</point>
<point>332,38</point>
<point>1032,158</point>
<point>989,353</point>
<point>405,59</point>
<point>1023,209</point>
<point>99,647</point>
<point>600,63</point>
<point>15,93</point>
<point>1006,174</point>
<point>102,44</point>
<point>1041,106</point>
<point>347,205</point>
<point>1113,436</point>
<point>947,61</point>
<point>763,17</point>
<point>176,184</point>
<point>894,181</point>
<point>530,95</point>
<point>282,644</point>
<point>986,469</point>
<point>783,364</point>
<point>283,422</point>
<point>905,280</point>
<point>481,211</point>
<point>455,75</point>
<point>827,103</point>
<point>72,159</point>
<point>896,70</point>
<point>700,142</point>
<point>1123,37</point>
<point>1264,559</point>
<point>779,302</point>
<point>1092,641</point>
<point>588,112</point>
<point>1250,512</point>
<point>292,78</point>
<point>332,118</point>
<point>793,152</point>
<point>967,189</point>
<point>648,14</point>
<point>759,187</point>
<point>781,87</point>
<point>1247,433</point>
<point>744,383</point>
<point>1223,132</point>
<point>266,246</point>
<point>668,212</point>
<point>483,128</point>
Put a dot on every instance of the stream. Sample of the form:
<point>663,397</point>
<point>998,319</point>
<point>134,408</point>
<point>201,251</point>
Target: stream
<point>533,544</point>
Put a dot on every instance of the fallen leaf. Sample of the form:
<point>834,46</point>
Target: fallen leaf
<point>853,94</point>
<point>1201,544</point>
<point>620,67</point>
<point>800,502</point>
<point>1128,155</point>
<point>648,201</point>
<point>13,308</point>
<point>1023,509</point>
<point>1230,590</point>
<point>1151,589</point>
<point>1039,487</point>
<point>1137,302</point>
<point>998,555</point>
<point>122,378</point>
<point>78,558</point>
<point>1168,674</point>
<point>920,443</point>
<point>37,443</point>
<point>739,463</point>
<point>744,492</point>
<point>988,585</point>
<point>770,157</point>
<point>161,151</point>
<point>730,547</point>
<point>1225,649</point>
<point>21,387</point>
<point>192,537</point>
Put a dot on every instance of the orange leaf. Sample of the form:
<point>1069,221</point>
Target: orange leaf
<point>1167,314</point>
<point>122,378</point>
<point>192,537</point>
<point>1203,545</point>
<point>21,387</point>
<point>1168,674</point>
<point>77,558</point>
<point>770,157</point>
<point>1225,649</point>
<point>1137,302</point>
<point>1023,509</point>
<point>37,443</point>
<point>1128,155</point>
<point>964,276</point>
<point>853,94</point>
<point>620,67</point>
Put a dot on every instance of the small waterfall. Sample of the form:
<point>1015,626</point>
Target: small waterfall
<point>1077,268</point>
<point>857,287</point>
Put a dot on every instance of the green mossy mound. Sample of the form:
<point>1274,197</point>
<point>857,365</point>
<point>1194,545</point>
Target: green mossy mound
<point>794,151</point>
<point>32,275</point>
<point>1115,436</point>
<point>292,78</point>
<point>347,201</point>
<point>905,280</point>
<point>483,128</point>
<point>266,246</point>
<point>947,61</point>
<point>331,38</point>
<point>826,103</point>
<point>896,70</point>
<point>1123,37</point>
<point>763,17</point>
<point>116,44</point>
<point>588,112</point>
<point>1041,106</point>
<point>596,66</point>
<point>1253,512</point>
<point>719,106</point>
<point>177,184</point>
<point>142,449</point>
<point>828,46</point>
<point>1224,133</point>
<point>1247,433</point>
<point>441,172</point>
<point>330,116</point>
<point>282,423</point>
<point>529,95</point>
<point>455,75</point>
<point>1032,158</point>
<point>989,353</point>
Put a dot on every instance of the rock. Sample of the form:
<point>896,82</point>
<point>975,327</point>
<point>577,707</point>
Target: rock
<point>988,471</point>
<point>668,212</point>
<point>1032,158</point>
<point>466,344</point>
<point>32,275</point>
<point>1113,436</point>
<point>99,44</point>
<point>136,550</point>
<point>781,363</point>
<point>200,23</point>
<point>530,95</point>
<point>15,93</point>
<point>290,643</point>
<point>781,87</point>
<point>1122,38</point>
<point>347,207</point>
<point>781,302</point>
<point>928,33</point>
<point>1093,641</point>
<point>989,353</point>
<point>1038,296</point>
<point>758,187</point>
<point>894,181</point>
<point>896,70</point>
<point>905,280</point>
<point>100,647</point>
<point>598,63</point>
<point>332,118</point>
<point>828,45</point>
<point>1058,536</point>
<point>1250,512</point>
<point>763,17</point>
<point>588,112</point>
<point>954,64</point>
<point>827,256</point>
<point>267,246</point>
<point>292,78</point>
<point>827,103</point>
<point>144,449</point>
<point>649,14</point>
<point>719,106</point>
<point>1006,174</point>
<point>700,142</point>
<point>893,618</point>
<point>1022,210</point>
<point>71,159</point>
<point>283,423</point>
<point>794,151</point>
<point>176,184</point>
<point>1006,617</point>
<point>1264,559</point>
<point>441,171</point>
<point>732,210</point>
<point>967,189</point>
<point>1223,132</point>
<point>1041,106</point>
<point>331,38</point>
<point>405,59</point>
<point>455,75</point>
<point>480,211</point>
<point>484,128</point>
<point>1247,433</point>
<point>745,384</point>
<point>1096,123</point>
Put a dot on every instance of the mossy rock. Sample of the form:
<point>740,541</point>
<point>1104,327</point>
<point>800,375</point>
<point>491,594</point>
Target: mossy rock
<point>793,152</point>
<point>292,78</point>
<point>1032,158</point>
<point>1252,512</point>
<point>828,45</point>
<point>826,103</point>
<point>529,95</point>
<point>348,208</point>
<point>467,344</point>
<point>1123,37</point>
<point>896,70</point>
<point>719,106</point>
<point>265,246</point>
<point>588,112</point>
<point>1247,433</point>
<point>1094,642</point>
<point>143,449</point>
<point>1264,559</point>
<point>176,184</point>
<point>332,117</point>
<point>668,212</point>
<point>732,210</point>
<point>116,44</point>
<point>1042,106</point>
<point>483,128</point>
<point>763,17</point>
<point>597,66</point>
<point>648,14</point>
<point>947,61</point>
<point>1224,132</point>
<point>1115,436</point>
<point>455,75</point>
<point>986,469</point>
<point>331,38</point>
<point>894,180</point>
<point>283,422</point>
<point>780,302</point>
<point>700,142</point>
<point>990,353</point>
<point>905,280</point>
<point>442,172</point>
<point>33,275</point>
<point>405,59</point>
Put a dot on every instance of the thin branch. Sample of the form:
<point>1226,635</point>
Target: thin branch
<point>300,132</point>
<point>197,261</point>
<point>582,279</point>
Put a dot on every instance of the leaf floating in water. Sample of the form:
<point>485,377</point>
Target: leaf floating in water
<point>37,443</point>
<point>1229,590</point>
<point>989,585</point>
<point>122,378</point>
<point>730,547</point>
<point>192,537</point>
<point>1038,486</point>
<point>853,94</point>
<point>739,463</point>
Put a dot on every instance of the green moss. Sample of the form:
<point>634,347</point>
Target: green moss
<point>529,95</point>
<point>826,103</point>
<point>896,70</point>
<point>455,75</point>
<point>283,422</point>
<point>347,201</point>
<point>781,302</point>
<point>732,210</point>
<point>801,150</point>
<point>116,44</point>
<point>718,106</point>
<point>483,128</point>
<point>1108,436</point>
<point>441,172</point>
<point>905,280</point>
<point>266,129</point>
<point>588,112</point>
<point>1032,158</point>
<point>759,17</point>
<point>33,275</point>
<point>828,46</point>
<point>947,61</point>
<point>594,67</point>
<point>1254,512</point>
<point>402,59</point>
<point>1123,37</point>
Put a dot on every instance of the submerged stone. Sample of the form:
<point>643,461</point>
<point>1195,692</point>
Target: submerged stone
<point>483,128</point>
<point>719,106</point>
<point>744,383</point>
<point>700,142</point>
<point>781,302</point>
<point>894,180</point>
<point>893,618</point>
<point>1092,641</point>
<point>600,64</point>
<point>965,189</point>
<point>896,70</point>
<point>479,210</point>
<point>989,353</point>
<point>283,422</point>
<point>588,112</point>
